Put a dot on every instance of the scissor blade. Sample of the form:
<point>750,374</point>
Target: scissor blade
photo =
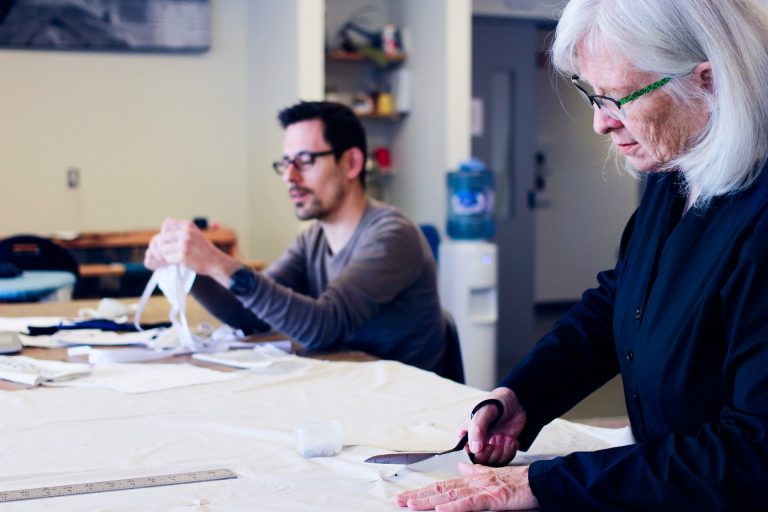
<point>444,462</point>
<point>400,458</point>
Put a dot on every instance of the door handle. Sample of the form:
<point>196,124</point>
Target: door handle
<point>532,201</point>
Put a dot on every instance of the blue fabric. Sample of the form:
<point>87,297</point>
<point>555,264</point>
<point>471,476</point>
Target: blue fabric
<point>34,285</point>
<point>102,324</point>
<point>433,238</point>
<point>684,318</point>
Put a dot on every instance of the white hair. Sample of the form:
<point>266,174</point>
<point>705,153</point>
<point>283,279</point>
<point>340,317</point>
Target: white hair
<point>670,38</point>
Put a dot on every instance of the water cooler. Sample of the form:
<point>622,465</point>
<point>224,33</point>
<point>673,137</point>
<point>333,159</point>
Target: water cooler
<point>467,270</point>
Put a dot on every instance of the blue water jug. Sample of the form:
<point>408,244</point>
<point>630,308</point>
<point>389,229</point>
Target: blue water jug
<point>470,201</point>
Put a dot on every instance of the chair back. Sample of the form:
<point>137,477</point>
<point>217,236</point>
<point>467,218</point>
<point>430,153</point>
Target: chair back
<point>433,238</point>
<point>453,367</point>
<point>30,252</point>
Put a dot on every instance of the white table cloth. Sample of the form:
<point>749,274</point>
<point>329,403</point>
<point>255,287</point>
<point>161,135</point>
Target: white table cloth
<point>53,436</point>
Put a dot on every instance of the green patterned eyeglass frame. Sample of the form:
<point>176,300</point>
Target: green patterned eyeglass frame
<point>599,100</point>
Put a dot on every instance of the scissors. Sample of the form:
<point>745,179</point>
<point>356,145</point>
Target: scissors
<point>413,457</point>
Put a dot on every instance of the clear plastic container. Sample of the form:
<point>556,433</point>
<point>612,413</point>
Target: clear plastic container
<point>318,438</point>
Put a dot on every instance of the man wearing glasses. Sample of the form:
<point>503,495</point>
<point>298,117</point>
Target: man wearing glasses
<point>362,277</point>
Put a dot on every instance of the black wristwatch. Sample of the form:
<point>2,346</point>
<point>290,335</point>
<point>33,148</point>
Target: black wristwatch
<point>242,281</point>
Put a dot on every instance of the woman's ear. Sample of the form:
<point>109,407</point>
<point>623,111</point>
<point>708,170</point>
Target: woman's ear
<point>703,75</point>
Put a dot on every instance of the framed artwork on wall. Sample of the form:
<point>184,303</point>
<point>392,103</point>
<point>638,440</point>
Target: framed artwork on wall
<point>181,26</point>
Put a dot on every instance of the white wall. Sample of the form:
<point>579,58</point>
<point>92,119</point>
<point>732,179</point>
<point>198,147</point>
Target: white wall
<point>435,136</point>
<point>160,135</point>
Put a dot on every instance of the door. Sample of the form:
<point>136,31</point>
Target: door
<point>504,54</point>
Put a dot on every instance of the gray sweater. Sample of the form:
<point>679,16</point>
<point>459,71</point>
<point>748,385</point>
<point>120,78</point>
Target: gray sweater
<point>378,294</point>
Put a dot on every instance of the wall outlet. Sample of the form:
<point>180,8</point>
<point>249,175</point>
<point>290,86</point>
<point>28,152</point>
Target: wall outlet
<point>73,177</point>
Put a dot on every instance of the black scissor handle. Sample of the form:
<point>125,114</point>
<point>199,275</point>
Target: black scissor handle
<point>465,438</point>
<point>489,401</point>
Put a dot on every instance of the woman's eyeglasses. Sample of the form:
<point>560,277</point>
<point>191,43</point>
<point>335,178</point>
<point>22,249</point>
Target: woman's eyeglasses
<point>612,107</point>
<point>302,160</point>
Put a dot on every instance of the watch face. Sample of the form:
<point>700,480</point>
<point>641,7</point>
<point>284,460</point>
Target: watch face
<point>243,281</point>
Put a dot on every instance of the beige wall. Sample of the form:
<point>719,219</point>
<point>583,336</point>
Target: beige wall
<point>158,135</point>
<point>284,65</point>
<point>154,135</point>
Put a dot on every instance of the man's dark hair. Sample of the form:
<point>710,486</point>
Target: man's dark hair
<point>342,129</point>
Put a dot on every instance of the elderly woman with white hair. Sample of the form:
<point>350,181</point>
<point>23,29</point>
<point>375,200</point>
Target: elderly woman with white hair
<point>681,89</point>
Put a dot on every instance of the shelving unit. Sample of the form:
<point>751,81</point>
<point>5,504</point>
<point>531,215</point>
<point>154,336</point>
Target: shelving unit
<point>435,134</point>
<point>351,75</point>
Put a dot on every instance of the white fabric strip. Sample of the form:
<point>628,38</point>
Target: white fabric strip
<point>175,281</point>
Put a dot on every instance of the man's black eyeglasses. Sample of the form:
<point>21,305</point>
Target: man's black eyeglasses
<point>300,161</point>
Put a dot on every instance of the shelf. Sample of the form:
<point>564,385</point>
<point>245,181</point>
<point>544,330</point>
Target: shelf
<point>341,55</point>
<point>397,116</point>
<point>348,76</point>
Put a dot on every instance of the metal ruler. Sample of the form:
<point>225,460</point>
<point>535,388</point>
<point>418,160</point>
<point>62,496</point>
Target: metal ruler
<point>117,485</point>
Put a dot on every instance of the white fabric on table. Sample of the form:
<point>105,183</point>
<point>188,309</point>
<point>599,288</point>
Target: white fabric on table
<point>54,436</point>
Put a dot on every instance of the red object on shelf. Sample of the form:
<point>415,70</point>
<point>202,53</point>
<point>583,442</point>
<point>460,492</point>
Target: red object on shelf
<point>383,158</point>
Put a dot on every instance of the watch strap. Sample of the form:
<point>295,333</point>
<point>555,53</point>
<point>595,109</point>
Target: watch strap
<point>243,281</point>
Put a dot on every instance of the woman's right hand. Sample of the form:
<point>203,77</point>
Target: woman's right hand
<point>499,446</point>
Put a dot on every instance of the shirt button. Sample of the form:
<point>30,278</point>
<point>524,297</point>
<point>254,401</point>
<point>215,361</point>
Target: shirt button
<point>630,356</point>
<point>638,314</point>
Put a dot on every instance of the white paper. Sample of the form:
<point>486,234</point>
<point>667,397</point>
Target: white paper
<point>43,341</point>
<point>261,356</point>
<point>141,378</point>
<point>96,337</point>
<point>21,324</point>
<point>130,354</point>
<point>31,371</point>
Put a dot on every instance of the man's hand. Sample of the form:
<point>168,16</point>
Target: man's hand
<point>153,258</point>
<point>480,488</point>
<point>181,242</point>
<point>496,447</point>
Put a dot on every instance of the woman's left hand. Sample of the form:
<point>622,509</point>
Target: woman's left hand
<point>481,488</point>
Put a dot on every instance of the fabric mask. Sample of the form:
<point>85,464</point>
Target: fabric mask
<point>175,281</point>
